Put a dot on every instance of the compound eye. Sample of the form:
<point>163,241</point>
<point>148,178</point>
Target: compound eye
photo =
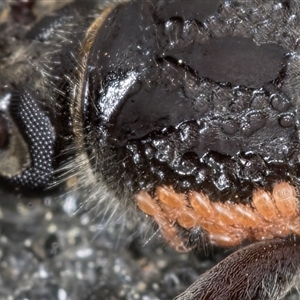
<point>26,156</point>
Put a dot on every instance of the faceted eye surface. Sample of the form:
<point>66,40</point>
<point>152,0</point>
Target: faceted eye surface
<point>27,154</point>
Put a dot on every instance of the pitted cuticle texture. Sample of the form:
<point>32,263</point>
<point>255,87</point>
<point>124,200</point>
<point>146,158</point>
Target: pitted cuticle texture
<point>194,101</point>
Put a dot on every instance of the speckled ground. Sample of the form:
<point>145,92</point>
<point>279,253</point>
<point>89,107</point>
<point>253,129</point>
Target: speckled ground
<point>51,251</point>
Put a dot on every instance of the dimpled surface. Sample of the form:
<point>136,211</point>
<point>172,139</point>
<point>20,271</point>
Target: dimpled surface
<point>196,101</point>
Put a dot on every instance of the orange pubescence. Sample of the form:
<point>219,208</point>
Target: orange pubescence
<point>225,240</point>
<point>146,204</point>
<point>169,212</point>
<point>224,213</point>
<point>263,233</point>
<point>169,233</point>
<point>213,227</point>
<point>264,204</point>
<point>187,219</point>
<point>245,216</point>
<point>201,204</point>
<point>285,198</point>
<point>170,197</point>
<point>227,224</point>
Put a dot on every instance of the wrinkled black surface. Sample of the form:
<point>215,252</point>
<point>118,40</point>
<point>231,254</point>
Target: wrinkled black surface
<point>177,106</point>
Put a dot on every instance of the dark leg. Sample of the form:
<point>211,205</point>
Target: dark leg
<point>265,270</point>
